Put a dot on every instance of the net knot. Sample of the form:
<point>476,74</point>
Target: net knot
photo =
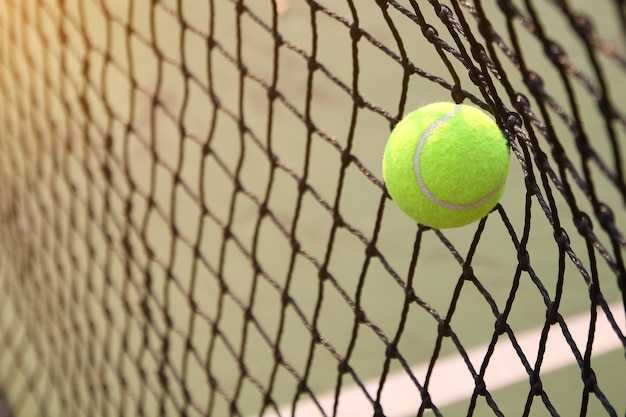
<point>561,237</point>
<point>387,192</point>
<point>383,4</point>
<point>302,186</point>
<point>193,306</point>
<point>443,328</point>
<point>359,315</point>
<point>237,185</point>
<point>536,386</point>
<point>476,77</point>
<point>240,7</point>
<point>607,108</point>
<point>521,103</point>
<point>243,369</point>
<point>507,7</point>
<point>555,53</point>
<point>278,356</point>
<point>248,315</point>
<point>532,187</point>
<point>523,259</point>
<point>513,120</point>
<point>358,100</point>
<point>583,25</point>
<point>535,82</point>
<point>478,51</point>
<point>314,5</point>
<point>174,230</point>
<point>378,410</point>
<point>427,402</point>
<point>355,33</point>
<point>458,95</point>
<point>552,314</point>
<point>410,293</point>
<point>312,65</point>
<point>263,210</point>
<point>501,325</point>
<point>589,378</point>
<point>272,94</point>
<point>302,388</point>
<point>392,351</point>
<point>346,157</point>
<point>338,220</point>
<point>216,100</point>
<point>370,250</point>
<point>343,367</point>
<point>322,273</point>
<point>468,273</point>
<point>317,338</point>
<point>583,223</point>
<point>430,33</point>
<point>445,14</point>
<point>605,215</point>
<point>481,387</point>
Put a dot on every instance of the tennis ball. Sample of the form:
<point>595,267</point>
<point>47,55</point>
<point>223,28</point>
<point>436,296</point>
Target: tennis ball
<point>446,164</point>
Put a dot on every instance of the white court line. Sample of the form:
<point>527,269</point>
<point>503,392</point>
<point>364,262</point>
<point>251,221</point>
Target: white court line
<point>451,380</point>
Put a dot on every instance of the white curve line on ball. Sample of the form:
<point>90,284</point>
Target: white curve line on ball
<point>420,180</point>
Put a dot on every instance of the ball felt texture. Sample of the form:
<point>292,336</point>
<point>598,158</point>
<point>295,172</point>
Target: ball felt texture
<point>446,164</point>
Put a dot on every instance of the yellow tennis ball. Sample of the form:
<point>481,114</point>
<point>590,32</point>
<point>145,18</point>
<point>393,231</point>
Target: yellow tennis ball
<point>446,164</point>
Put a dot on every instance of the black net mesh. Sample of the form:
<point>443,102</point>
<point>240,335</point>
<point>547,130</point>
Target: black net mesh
<point>193,220</point>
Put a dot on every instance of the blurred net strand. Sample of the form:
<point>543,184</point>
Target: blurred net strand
<point>128,225</point>
<point>32,379</point>
<point>103,266</point>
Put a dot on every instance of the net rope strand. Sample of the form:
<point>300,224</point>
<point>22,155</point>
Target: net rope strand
<point>114,305</point>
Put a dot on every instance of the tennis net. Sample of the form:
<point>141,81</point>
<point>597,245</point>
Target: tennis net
<point>193,219</point>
